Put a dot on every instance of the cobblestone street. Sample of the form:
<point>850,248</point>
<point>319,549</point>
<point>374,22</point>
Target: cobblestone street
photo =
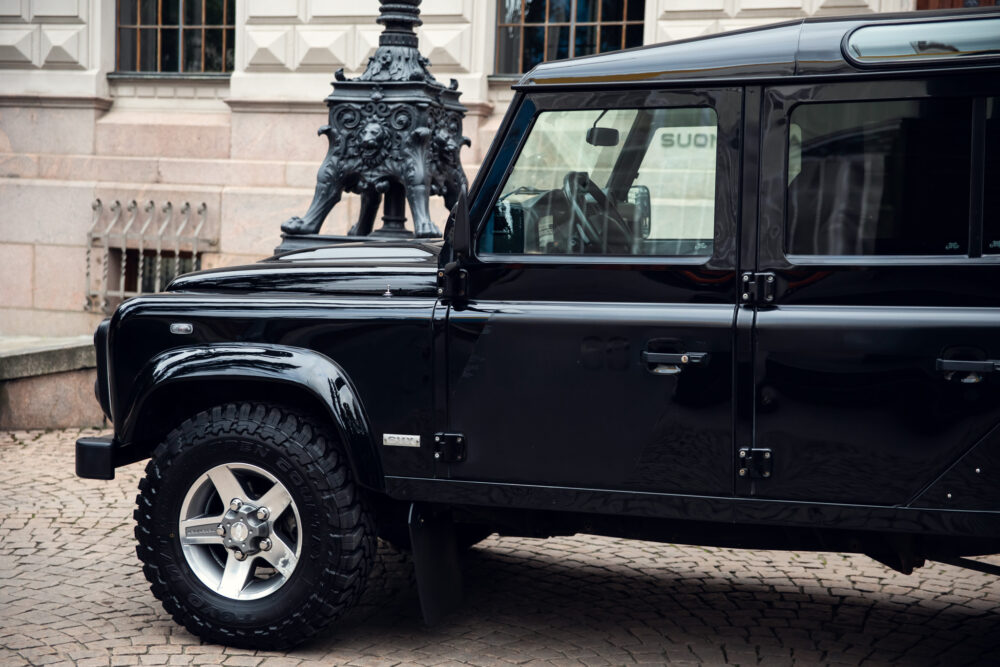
<point>71,592</point>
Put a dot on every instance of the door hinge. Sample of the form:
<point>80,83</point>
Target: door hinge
<point>757,288</point>
<point>449,447</point>
<point>453,281</point>
<point>755,463</point>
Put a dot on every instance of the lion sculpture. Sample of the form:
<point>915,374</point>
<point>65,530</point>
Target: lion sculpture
<point>374,161</point>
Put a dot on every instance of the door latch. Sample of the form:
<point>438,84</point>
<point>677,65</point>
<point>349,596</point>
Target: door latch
<point>757,289</point>
<point>755,463</point>
<point>449,447</point>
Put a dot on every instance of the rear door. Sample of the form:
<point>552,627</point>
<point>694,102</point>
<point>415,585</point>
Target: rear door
<point>880,223</point>
<point>595,349</point>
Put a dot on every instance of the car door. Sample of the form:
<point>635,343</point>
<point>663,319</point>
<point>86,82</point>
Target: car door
<point>873,360</point>
<point>595,348</point>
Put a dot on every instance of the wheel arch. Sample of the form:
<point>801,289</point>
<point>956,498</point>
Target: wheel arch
<point>179,382</point>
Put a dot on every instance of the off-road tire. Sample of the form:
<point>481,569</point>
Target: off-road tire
<point>337,534</point>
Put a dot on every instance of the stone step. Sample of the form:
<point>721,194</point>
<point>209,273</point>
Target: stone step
<point>48,382</point>
<point>30,356</point>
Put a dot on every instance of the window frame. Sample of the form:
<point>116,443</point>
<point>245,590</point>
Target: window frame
<point>725,101</point>
<point>203,27</point>
<point>779,103</point>
<point>980,119</point>
<point>572,24</point>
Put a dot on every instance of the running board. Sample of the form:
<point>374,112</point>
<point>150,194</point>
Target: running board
<point>969,564</point>
<point>435,561</point>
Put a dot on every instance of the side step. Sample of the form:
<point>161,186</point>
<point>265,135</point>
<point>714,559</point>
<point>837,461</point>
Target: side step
<point>435,559</point>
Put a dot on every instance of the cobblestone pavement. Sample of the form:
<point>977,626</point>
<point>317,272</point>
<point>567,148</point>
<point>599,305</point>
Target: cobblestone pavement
<point>71,592</point>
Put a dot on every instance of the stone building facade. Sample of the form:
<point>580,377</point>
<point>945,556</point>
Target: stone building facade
<point>75,129</point>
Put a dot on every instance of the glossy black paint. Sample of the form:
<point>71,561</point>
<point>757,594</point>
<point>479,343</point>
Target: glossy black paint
<point>849,399</point>
<point>191,366</point>
<point>102,388</point>
<point>301,340</point>
<point>348,269</point>
<point>561,339</point>
<point>972,483</point>
<point>847,393</point>
<point>539,362</point>
<point>556,393</point>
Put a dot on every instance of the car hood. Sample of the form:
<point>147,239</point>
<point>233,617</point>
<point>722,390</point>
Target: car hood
<point>348,269</point>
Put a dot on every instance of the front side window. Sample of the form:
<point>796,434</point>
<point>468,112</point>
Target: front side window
<point>614,182</point>
<point>176,36</point>
<point>879,178</point>
<point>533,31</point>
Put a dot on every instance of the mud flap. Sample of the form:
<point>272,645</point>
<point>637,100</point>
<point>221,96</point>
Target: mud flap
<point>436,562</point>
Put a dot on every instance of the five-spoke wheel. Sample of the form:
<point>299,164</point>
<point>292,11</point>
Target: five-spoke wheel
<point>251,530</point>
<point>241,544</point>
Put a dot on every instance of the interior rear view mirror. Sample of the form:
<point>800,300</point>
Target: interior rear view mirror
<point>602,136</point>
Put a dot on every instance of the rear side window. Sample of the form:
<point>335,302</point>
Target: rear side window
<point>879,178</point>
<point>991,189</point>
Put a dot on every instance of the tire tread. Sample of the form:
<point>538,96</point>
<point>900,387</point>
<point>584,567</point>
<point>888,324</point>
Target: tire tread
<point>347,522</point>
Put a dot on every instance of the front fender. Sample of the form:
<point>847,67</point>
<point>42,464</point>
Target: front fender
<point>306,369</point>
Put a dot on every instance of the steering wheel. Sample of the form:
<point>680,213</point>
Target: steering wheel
<point>576,185</point>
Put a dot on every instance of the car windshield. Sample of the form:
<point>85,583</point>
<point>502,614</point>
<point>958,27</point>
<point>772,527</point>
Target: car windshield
<point>613,182</point>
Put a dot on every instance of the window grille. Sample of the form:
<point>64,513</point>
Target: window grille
<point>176,36</point>
<point>533,31</point>
<point>135,249</point>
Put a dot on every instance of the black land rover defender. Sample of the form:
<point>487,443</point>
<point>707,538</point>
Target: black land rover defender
<point>741,290</point>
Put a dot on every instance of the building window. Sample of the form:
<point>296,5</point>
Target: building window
<point>533,31</point>
<point>176,36</point>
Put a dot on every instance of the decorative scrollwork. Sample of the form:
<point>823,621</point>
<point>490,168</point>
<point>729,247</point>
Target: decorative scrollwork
<point>395,132</point>
<point>401,118</point>
<point>345,117</point>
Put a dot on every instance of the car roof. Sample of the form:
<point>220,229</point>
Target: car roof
<point>802,47</point>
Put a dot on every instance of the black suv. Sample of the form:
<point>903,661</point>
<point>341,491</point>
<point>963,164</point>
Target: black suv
<point>741,290</point>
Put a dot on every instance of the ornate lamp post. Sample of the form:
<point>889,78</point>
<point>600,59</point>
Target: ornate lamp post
<point>395,133</point>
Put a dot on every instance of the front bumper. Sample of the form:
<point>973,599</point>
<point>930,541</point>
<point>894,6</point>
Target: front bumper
<point>95,458</point>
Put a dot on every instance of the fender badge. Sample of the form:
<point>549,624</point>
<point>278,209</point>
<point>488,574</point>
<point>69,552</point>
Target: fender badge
<point>388,290</point>
<point>400,440</point>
